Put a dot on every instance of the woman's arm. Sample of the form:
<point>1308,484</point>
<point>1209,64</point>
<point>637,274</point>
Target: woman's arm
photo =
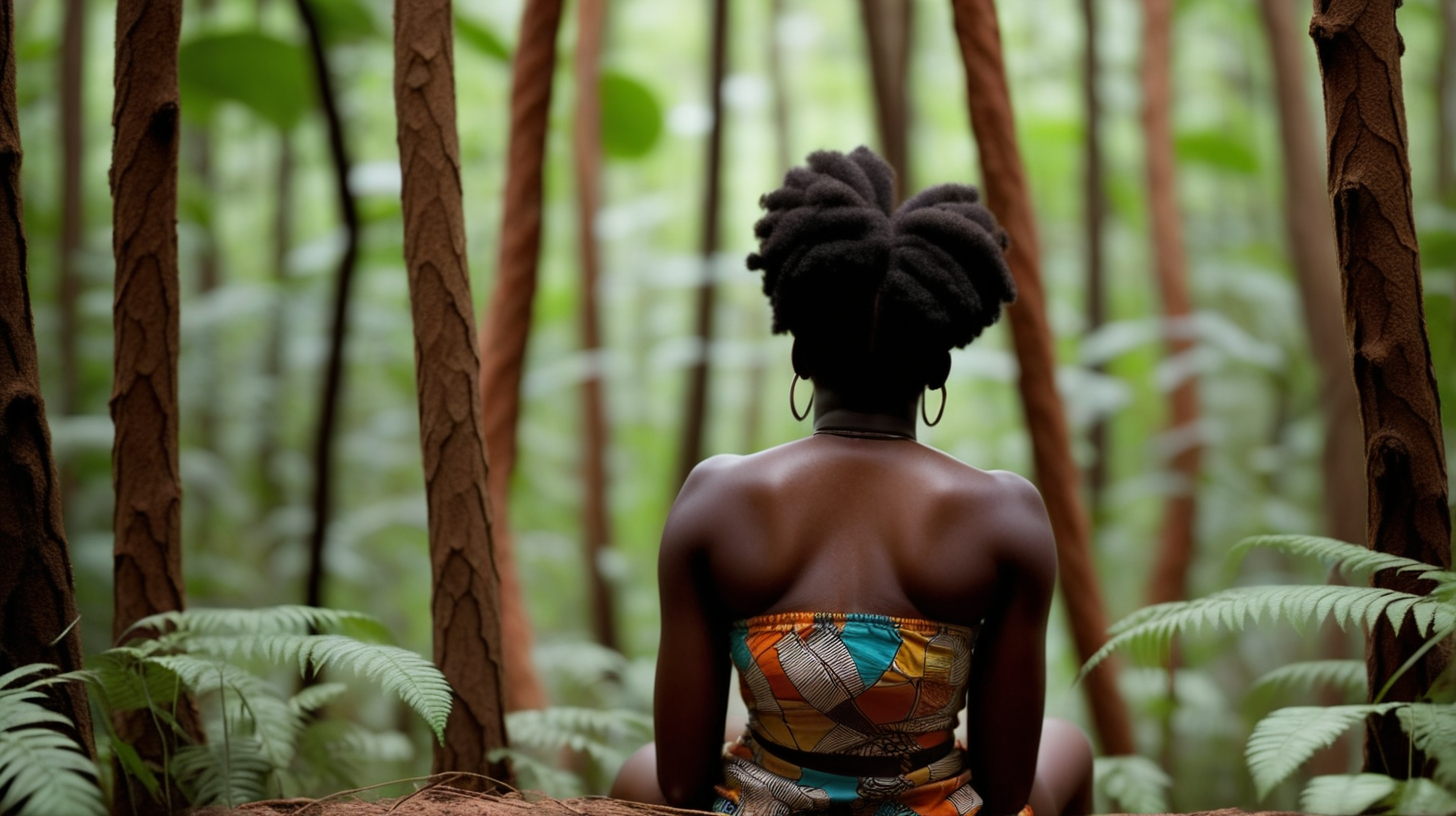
<point>691,697</point>
<point>1007,692</point>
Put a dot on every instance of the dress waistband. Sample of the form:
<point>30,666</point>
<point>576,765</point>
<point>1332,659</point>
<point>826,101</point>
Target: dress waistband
<point>854,764</point>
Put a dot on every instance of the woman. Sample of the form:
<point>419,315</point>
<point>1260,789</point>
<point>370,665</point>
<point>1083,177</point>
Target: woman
<point>848,576</point>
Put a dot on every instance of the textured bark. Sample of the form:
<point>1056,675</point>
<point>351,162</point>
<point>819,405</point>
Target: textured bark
<point>323,453</point>
<point>586,141</point>
<point>147,517</point>
<point>73,203</point>
<point>1311,238</point>
<point>1446,107</point>
<point>508,324</point>
<point>1094,215</point>
<point>1169,580</point>
<point>695,414</point>
<point>37,592</point>
<point>465,602</point>
<point>1369,183</point>
<point>1055,470</point>
<point>888,25</point>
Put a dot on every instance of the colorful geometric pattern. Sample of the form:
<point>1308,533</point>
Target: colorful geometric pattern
<point>848,684</point>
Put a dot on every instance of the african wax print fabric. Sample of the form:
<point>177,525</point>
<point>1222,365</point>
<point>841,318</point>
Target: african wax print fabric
<point>858,690</point>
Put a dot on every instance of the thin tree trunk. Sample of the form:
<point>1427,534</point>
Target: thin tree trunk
<point>37,592</point>
<point>73,202</point>
<point>888,25</point>
<point>695,416</point>
<point>1056,471</point>
<point>1094,217</point>
<point>596,523</point>
<point>144,467</point>
<point>508,324</point>
<point>1446,107</point>
<point>465,601</point>
<point>1169,580</point>
<point>1370,184</point>
<point>323,458</point>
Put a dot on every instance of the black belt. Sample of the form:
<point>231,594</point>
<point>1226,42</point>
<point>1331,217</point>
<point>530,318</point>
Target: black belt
<point>854,764</point>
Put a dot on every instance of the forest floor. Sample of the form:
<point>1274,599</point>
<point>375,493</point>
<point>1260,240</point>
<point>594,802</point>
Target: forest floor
<point>441,800</point>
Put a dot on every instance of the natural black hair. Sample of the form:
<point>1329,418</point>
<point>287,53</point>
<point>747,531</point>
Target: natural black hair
<point>875,297</point>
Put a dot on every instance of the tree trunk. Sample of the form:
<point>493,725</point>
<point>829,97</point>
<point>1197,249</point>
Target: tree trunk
<point>1169,580</point>
<point>695,417</point>
<point>1056,471</point>
<point>1094,214</point>
<point>508,324</point>
<point>596,523</point>
<point>1446,107</point>
<point>323,457</point>
<point>73,202</point>
<point>465,601</point>
<point>37,592</point>
<point>888,25</point>
<point>1380,274</point>
<point>148,512</point>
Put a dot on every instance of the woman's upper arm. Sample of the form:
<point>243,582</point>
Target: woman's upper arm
<point>1007,692</point>
<point>691,696</point>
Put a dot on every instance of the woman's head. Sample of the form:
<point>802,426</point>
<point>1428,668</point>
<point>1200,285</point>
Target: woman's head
<point>876,299</point>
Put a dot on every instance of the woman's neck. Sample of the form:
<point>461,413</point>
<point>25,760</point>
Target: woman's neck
<point>834,414</point>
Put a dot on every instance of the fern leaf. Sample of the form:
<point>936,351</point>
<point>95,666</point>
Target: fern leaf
<point>273,620</point>
<point>1346,675</point>
<point>9,678</point>
<point>1432,729</point>
<point>1136,784</point>
<point>1422,797</point>
<point>42,771</point>
<point>315,697</point>
<point>1345,795</point>
<point>1352,560</point>
<point>230,773</point>
<point>125,679</point>
<point>1282,741</point>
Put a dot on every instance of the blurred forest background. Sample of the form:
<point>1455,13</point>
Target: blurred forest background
<point>260,239</point>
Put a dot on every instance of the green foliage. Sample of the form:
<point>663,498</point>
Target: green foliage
<point>597,736</point>
<point>43,770</point>
<point>481,37</point>
<point>1352,794</point>
<point>631,116</point>
<point>1134,784</point>
<point>1347,675</point>
<point>1217,149</point>
<point>267,75</point>
<point>1285,739</point>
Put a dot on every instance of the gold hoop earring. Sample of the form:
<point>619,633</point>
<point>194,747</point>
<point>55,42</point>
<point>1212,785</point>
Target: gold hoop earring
<point>938,414</point>
<point>793,407</point>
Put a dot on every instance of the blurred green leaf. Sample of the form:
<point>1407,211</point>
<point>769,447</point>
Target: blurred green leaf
<point>480,37</point>
<point>1438,249</point>
<point>267,75</point>
<point>631,116</point>
<point>1216,149</point>
<point>344,21</point>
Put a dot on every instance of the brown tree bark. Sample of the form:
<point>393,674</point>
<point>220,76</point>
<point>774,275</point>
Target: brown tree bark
<point>586,142</point>
<point>1169,579</point>
<point>1446,107</point>
<point>695,414</point>
<point>1055,470</point>
<point>73,202</point>
<point>37,592</point>
<point>508,324</point>
<point>465,601</point>
<point>147,516</point>
<point>888,26</point>
<point>1369,183</point>
<point>1094,216</point>
<point>323,455</point>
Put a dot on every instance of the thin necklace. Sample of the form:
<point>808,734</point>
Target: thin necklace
<point>853,434</point>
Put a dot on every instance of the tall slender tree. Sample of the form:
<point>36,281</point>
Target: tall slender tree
<point>37,593</point>
<point>1055,470</point>
<point>1094,216</point>
<point>465,599</point>
<point>1169,578</point>
<point>888,27</point>
<point>1369,183</point>
<point>323,453</point>
<point>586,143</point>
<point>508,323</point>
<point>695,417</point>
<point>144,466</point>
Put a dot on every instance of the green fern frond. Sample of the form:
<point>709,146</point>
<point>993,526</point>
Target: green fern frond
<point>1352,560</point>
<point>1135,784</point>
<point>228,773</point>
<point>1346,675</point>
<point>272,620</point>
<point>315,697</point>
<point>1432,729</point>
<point>42,770</point>
<point>124,679</point>
<point>535,775</point>
<point>1345,794</point>
<point>1285,739</point>
<point>1148,631</point>
<point>336,753</point>
<point>1421,797</point>
<point>250,706</point>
